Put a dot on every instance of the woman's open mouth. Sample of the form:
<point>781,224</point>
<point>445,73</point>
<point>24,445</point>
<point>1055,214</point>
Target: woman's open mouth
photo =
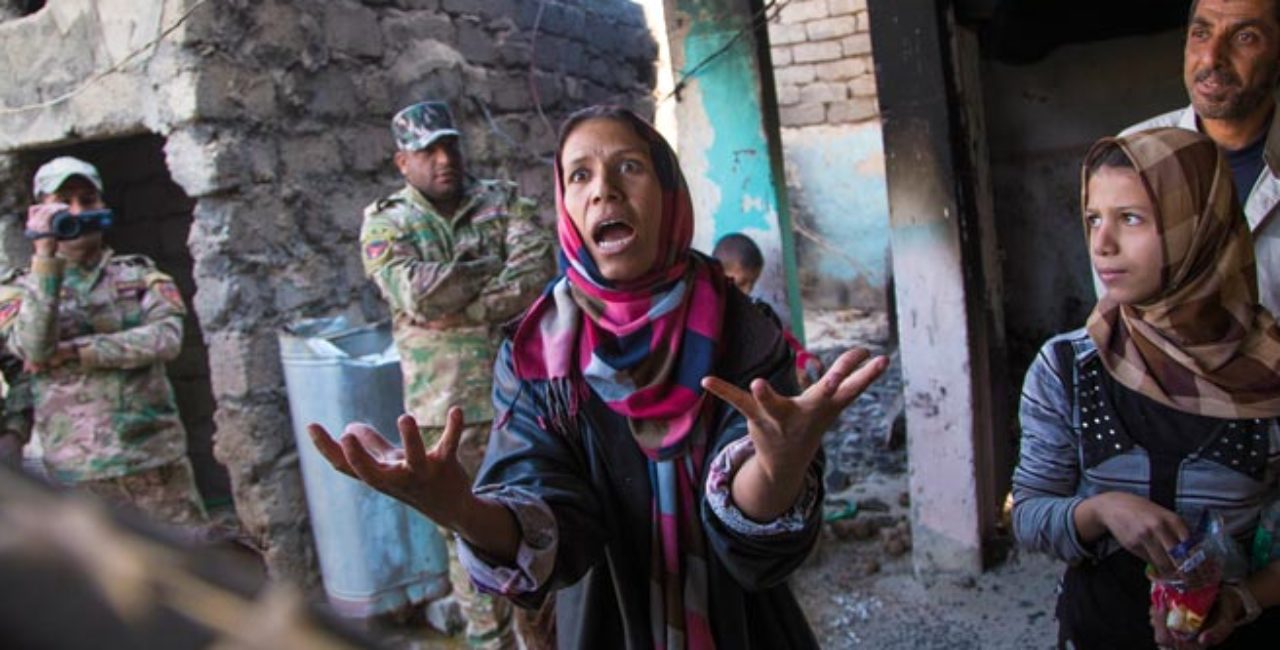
<point>613,236</point>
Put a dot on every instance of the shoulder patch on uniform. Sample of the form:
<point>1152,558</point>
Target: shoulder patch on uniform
<point>376,249</point>
<point>166,289</point>
<point>169,291</point>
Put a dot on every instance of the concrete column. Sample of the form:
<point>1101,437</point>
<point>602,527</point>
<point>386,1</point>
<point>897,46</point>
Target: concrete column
<point>729,144</point>
<point>947,284</point>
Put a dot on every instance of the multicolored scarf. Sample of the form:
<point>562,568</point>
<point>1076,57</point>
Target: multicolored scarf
<point>643,347</point>
<point>1202,345</point>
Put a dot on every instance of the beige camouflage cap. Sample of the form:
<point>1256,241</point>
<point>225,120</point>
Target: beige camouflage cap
<point>54,173</point>
<point>416,126</point>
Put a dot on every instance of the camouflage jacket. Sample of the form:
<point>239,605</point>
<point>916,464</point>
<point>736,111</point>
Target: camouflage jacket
<point>110,411</point>
<point>450,284</point>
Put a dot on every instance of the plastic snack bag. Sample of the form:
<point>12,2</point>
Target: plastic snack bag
<point>1189,594</point>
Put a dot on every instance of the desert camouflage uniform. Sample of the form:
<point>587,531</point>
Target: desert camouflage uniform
<point>450,284</point>
<point>107,419</point>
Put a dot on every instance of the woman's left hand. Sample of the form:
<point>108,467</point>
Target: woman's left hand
<point>787,431</point>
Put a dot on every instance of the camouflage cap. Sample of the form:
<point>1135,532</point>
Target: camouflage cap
<point>54,173</point>
<point>416,126</point>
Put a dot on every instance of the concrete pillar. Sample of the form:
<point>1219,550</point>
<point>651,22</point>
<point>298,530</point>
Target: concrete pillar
<point>947,281</point>
<point>728,142</point>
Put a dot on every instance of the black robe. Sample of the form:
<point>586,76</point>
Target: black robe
<point>594,478</point>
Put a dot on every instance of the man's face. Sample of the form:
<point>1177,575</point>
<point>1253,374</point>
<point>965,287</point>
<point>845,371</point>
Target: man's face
<point>435,171</point>
<point>1231,61</point>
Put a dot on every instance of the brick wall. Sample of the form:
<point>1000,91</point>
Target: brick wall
<point>822,62</point>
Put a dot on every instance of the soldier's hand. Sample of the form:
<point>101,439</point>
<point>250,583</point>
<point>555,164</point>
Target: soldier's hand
<point>40,219</point>
<point>432,481</point>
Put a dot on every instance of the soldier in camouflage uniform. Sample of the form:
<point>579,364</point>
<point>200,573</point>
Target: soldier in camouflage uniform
<point>455,258</point>
<point>95,329</point>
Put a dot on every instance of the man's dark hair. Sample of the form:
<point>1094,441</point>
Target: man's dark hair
<point>1275,10</point>
<point>739,249</point>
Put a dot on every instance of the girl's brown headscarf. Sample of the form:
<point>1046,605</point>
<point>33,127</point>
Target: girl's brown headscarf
<point>1202,344</point>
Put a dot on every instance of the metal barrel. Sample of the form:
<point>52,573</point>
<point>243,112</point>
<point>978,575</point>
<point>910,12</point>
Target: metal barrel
<point>376,554</point>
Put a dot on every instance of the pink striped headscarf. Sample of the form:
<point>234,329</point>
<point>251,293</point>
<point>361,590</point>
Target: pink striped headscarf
<point>643,347</point>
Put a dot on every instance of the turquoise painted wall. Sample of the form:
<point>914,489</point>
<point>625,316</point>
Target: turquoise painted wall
<point>724,148</point>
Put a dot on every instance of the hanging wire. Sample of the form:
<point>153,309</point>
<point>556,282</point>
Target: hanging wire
<point>506,137</point>
<point>13,110</point>
<point>758,18</point>
<point>533,60</point>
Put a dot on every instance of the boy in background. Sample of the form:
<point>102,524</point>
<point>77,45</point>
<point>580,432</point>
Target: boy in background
<point>743,262</point>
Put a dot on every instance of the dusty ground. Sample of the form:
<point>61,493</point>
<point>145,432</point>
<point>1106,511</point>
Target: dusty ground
<point>857,593</point>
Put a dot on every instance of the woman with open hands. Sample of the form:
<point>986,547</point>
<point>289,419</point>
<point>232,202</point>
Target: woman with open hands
<point>661,516</point>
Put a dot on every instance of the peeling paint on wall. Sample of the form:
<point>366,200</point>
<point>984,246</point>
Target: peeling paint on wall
<point>836,184</point>
<point>727,158</point>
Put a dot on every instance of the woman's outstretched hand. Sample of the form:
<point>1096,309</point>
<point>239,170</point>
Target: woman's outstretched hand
<point>787,431</point>
<point>432,481</point>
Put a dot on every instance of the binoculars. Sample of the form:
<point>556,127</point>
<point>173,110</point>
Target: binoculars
<point>64,225</point>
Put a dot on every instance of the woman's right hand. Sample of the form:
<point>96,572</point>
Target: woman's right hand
<point>1140,526</point>
<point>432,481</point>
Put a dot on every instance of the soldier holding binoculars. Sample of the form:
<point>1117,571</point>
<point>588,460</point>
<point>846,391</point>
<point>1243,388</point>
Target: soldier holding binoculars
<point>95,330</point>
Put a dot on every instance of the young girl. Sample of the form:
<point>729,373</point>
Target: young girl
<point>659,516</point>
<point>1163,405</point>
